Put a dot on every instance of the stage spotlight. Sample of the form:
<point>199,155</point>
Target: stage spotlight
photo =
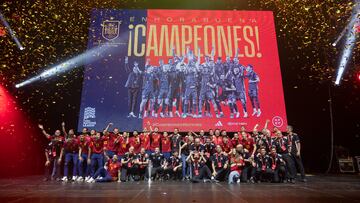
<point>87,57</point>
<point>346,56</point>
<point>351,31</point>
<point>11,32</point>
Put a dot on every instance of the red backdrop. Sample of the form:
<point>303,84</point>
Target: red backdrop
<point>266,66</point>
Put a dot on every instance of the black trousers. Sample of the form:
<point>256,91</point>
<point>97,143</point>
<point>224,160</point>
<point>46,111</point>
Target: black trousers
<point>221,174</point>
<point>264,175</point>
<point>142,171</point>
<point>53,167</point>
<point>279,174</point>
<point>128,171</point>
<point>175,175</point>
<point>132,98</point>
<point>154,171</point>
<point>248,172</point>
<point>298,165</point>
<point>290,166</point>
<point>204,173</point>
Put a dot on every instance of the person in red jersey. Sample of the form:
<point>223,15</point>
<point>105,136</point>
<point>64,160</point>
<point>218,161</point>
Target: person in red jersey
<point>235,140</point>
<point>71,151</point>
<point>236,165</point>
<point>217,139</point>
<point>242,129</point>
<point>84,152</point>
<point>155,140</point>
<point>53,152</point>
<point>226,144</point>
<point>121,144</point>
<point>188,136</point>
<point>166,145</point>
<point>145,140</point>
<point>201,136</point>
<point>97,153</point>
<point>135,142</point>
<point>110,173</point>
<point>211,133</point>
<point>248,144</point>
<point>109,140</point>
<point>92,133</point>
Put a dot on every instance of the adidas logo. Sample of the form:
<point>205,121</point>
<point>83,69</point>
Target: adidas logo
<point>218,124</point>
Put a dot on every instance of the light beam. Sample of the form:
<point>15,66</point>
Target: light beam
<point>351,35</point>
<point>11,32</point>
<point>87,57</point>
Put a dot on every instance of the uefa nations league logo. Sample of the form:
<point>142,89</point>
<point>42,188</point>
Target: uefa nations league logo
<point>89,113</point>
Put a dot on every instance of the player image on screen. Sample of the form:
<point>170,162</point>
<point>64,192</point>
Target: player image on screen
<point>193,87</point>
<point>164,85</point>
<point>191,75</point>
<point>239,82</point>
<point>148,91</point>
<point>200,74</point>
<point>133,83</point>
<point>207,86</point>
<point>253,90</point>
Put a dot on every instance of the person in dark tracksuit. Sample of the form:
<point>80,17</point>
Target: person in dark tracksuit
<point>253,90</point>
<point>264,171</point>
<point>157,160</point>
<point>277,166</point>
<point>220,165</point>
<point>190,90</point>
<point>200,171</point>
<point>283,148</point>
<point>52,154</point>
<point>164,82</point>
<point>239,83</point>
<point>148,91</point>
<point>128,165</point>
<point>133,83</point>
<point>294,140</point>
<point>207,84</point>
<point>172,168</point>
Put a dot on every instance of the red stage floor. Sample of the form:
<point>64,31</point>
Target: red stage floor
<point>317,189</point>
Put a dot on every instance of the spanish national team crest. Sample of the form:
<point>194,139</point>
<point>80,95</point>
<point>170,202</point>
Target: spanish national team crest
<point>110,29</point>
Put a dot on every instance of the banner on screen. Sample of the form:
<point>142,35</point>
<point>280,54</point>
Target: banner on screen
<point>186,69</point>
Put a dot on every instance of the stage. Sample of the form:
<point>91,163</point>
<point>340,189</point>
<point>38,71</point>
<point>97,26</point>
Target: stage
<point>318,189</point>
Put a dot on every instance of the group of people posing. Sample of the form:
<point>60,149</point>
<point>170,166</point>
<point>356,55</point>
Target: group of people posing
<point>190,87</point>
<point>258,156</point>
